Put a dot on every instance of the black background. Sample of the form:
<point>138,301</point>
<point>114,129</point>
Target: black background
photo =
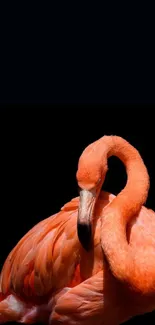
<point>39,151</point>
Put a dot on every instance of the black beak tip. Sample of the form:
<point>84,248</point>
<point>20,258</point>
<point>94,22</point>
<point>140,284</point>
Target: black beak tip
<point>85,235</point>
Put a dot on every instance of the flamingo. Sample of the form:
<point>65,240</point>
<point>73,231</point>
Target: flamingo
<point>131,258</point>
<point>68,268</point>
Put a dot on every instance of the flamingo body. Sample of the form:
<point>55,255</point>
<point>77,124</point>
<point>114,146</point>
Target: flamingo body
<point>46,279</point>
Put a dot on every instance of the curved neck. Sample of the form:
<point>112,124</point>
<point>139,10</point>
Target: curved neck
<point>134,195</point>
<point>126,205</point>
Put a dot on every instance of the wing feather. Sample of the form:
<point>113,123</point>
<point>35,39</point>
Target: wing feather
<point>36,262</point>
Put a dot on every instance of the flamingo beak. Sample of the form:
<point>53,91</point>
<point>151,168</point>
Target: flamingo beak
<point>85,214</point>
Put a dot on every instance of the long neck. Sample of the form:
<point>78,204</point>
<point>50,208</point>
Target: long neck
<point>134,195</point>
<point>125,206</point>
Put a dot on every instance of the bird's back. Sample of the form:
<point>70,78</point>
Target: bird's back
<point>45,258</point>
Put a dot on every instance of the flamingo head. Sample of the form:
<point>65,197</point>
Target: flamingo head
<point>92,168</point>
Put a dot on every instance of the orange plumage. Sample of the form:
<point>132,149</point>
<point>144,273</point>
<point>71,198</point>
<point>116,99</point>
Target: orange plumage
<point>50,277</point>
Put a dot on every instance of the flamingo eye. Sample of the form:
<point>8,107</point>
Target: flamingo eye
<point>99,181</point>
